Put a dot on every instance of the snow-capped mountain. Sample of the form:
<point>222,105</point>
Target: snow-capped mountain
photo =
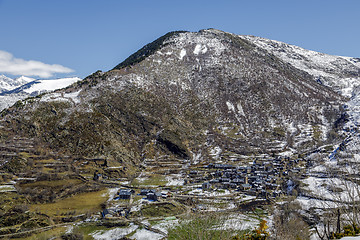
<point>23,87</point>
<point>40,86</point>
<point>194,95</point>
<point>7,84</point>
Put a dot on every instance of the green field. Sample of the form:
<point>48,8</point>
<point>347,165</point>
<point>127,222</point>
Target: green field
<point>78,204</point>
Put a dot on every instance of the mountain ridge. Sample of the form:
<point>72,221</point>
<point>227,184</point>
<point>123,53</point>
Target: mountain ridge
<point>206,96</point>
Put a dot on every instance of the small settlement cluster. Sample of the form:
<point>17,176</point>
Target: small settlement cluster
<point>263,179</point>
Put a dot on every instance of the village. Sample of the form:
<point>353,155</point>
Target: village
<point>165,191</point>
<point>214,184</point>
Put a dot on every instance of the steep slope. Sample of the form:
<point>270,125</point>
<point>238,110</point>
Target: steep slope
<point>342,74</point>
<point>205,95</point>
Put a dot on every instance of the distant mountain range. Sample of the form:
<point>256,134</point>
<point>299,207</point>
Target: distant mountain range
<point>7,84</point>
<point>12,90</point>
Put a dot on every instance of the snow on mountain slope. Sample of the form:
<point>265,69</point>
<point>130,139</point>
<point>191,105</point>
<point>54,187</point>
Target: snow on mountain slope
<point>342,74</point>
<point>7,84</point>
<point>50,85</point>
<point>209,88</point>
<point>31,87</point>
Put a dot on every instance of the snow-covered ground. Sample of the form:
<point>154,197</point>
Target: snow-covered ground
<point>133,229</point>
<point>143,234</point>
<point>24,87</point>
<point>50,85</point>
<point>7,188</point>
<point>7,84</point>
<point>240,222</point>
<point>333,189</point>
<point>351,238</point>
<point>114,234</point>
<point>327,69</point>
<point>309,203</point>
<point>174,180</point>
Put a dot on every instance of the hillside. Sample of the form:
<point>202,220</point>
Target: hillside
<point>191,124</point>
<point>205,95</point>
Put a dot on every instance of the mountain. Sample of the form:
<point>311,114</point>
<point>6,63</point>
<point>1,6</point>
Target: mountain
<point>7,84</point>
<point>342,74</point>
<point>200,96</point>
<point>20,88</point>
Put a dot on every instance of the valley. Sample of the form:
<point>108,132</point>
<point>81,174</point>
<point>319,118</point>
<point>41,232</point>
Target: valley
<point>203,127</point>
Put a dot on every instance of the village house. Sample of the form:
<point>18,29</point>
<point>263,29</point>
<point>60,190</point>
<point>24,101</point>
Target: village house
<point>245,187</point>
<point>153,196</point>
<point>124,194</point>
<point>206,186</point>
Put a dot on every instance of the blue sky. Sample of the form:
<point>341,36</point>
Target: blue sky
<point>88,35</point>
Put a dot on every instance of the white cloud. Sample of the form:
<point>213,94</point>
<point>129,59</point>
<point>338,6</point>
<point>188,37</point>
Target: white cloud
<point>17,66</point>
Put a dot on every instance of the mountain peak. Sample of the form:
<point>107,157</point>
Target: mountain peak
<point>24,79</point>
<point>191,92</point>
<point>147,50</point>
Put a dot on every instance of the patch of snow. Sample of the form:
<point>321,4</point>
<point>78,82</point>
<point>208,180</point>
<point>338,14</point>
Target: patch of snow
<point>308,203</point>
<point>165,225</point>
<point>321,187</point>
<point>240,109</point>
<point>50,85</point>
<point>69,229</point>
<point>53,97</point>
<point>7,188</point>
<point>291,128</point>
<point>320,168</point>
<point>206,42</point>
<point>196,158</point>
<point>351,238</point>
<point>201,192</point>
<point>200,49</point>
<point>74,96</point>
<point>174,180</point>
<point>143,234</point>
<point>197,49</point>
<point>216,152</point>
<point>113,234</point>
<point>182,54</point>
<point>230,106</point>
<point>240,222</point>
<point>111,193</point>
<point>141,179</point>
<point>157,61</point>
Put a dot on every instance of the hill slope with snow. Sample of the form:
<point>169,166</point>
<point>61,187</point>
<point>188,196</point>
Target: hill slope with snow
<point>12,90</point>
<point>195,95</point>
<point>7,84</point>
